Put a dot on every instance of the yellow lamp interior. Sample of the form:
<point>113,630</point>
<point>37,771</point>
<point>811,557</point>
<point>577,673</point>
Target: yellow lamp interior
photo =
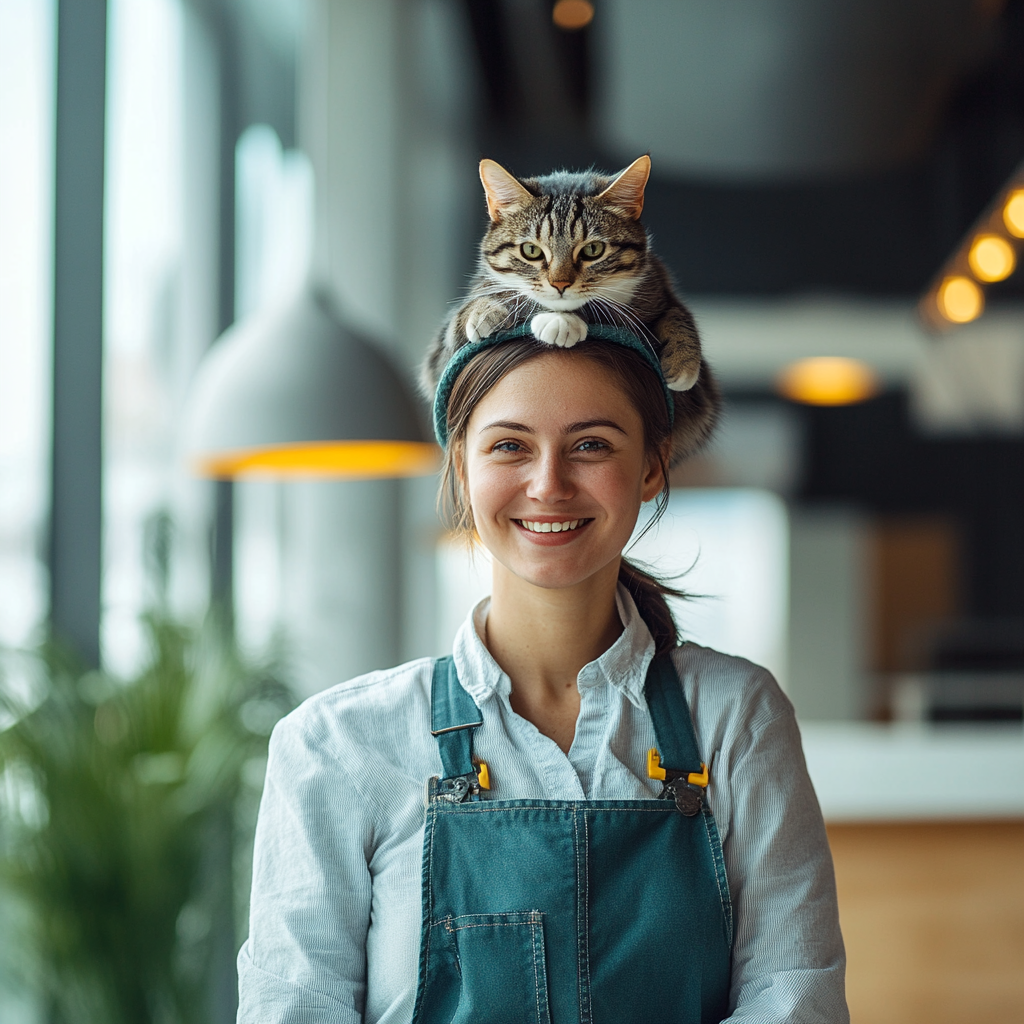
<point>572,15</point>
<point>828,380</point>
<point>1013,213</point>
<point>992,258</point>
<point>960,300</point>
<point>354,460</point>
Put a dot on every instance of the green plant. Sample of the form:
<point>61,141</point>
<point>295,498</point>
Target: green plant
<point>116,801</point>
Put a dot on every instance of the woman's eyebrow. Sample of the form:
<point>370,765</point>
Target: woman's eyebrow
<point>507,425</point>
<point>575,428</point>
<point>572,428</point>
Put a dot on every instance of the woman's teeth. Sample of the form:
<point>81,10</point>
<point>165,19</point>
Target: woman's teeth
<point>550,527</point>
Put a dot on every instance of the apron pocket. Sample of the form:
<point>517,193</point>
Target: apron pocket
<point>503,968</point>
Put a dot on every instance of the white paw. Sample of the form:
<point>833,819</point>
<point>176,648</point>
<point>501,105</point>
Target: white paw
<point>561,329</point>
<point>482,324</point>
<point>684,381</point>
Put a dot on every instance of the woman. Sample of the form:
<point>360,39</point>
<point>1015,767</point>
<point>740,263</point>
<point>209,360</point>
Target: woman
<point>574,818</point>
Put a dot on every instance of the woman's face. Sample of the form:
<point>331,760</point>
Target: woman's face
<point>556,471</point>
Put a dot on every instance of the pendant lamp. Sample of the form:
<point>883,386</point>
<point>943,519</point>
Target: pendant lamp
<point>292,392</point>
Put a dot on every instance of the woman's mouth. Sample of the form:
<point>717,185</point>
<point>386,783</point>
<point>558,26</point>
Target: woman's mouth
<point>563,526</point>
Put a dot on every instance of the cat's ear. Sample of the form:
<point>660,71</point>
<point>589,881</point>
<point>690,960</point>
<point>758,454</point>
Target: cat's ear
<point>626,192</point>
<point>504,192</point>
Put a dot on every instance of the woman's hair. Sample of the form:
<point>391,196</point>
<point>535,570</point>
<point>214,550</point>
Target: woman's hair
<point>645,394</point>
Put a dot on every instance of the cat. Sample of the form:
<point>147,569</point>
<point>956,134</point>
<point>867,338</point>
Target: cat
<point>566,250</point>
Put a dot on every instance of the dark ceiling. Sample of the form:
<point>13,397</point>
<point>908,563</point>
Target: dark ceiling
<point>880,234</point>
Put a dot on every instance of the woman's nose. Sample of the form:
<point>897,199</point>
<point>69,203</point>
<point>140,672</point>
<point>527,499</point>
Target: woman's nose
<point>551,479</point>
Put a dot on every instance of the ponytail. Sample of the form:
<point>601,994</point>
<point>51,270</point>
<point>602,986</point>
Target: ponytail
<point>649,595</point>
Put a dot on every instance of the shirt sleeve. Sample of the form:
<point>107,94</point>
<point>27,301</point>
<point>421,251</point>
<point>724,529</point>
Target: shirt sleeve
<point>788,964</point>
<point>304,961</point>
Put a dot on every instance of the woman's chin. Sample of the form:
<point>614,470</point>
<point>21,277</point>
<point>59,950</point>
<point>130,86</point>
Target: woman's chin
<point>556,574</point>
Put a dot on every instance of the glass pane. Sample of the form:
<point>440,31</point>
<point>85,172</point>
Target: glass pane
<point>26,191</point>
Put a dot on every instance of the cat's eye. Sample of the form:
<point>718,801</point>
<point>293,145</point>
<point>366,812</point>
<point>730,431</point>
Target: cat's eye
<point>531,251</point>
<point>592,250</point>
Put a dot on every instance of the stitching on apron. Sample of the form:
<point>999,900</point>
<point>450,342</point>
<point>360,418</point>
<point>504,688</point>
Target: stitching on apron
<point>430,875</point>
<point>536,979</point>
<point>576,858</point>
<point>586,910</point>
<point>664,808</point>
<point>726,904</point>
<point>501,913</point>
<point>493,924</point>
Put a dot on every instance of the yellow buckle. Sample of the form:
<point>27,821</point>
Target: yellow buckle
<point>655,771</point>
<point>483,774</point>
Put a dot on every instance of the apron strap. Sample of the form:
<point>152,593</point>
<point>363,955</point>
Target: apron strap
<point>670,714</point>
<point>453,717</point>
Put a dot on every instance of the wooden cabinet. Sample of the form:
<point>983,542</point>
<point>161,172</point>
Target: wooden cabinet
<point>933,918</point>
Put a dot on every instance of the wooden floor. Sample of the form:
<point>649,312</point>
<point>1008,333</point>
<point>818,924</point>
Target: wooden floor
<point>933,918</point>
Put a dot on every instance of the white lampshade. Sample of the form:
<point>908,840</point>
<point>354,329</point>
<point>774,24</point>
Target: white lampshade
<point>291,392</point>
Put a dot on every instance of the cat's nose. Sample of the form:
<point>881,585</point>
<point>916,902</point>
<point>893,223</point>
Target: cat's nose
<point>560,285</point>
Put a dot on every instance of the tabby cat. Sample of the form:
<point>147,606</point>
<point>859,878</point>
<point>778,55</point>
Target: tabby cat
<point>566,250</point>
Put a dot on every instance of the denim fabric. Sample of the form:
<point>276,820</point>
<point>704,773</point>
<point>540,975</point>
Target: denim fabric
<point>336,900</point>
<point>534,910</point>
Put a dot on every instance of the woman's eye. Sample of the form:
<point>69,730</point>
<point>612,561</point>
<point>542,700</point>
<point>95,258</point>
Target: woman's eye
<point>507,446</point>
<point>531,251</point>
<point>591,446</point>
<point>592,250</point>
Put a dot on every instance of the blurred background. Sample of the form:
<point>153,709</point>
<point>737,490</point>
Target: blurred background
<point>838,189</point>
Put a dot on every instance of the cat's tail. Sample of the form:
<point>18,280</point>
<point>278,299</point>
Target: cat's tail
<point>696,413</point>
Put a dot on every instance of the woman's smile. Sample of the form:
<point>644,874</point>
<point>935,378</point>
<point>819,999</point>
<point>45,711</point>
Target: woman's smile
<point>552,532</point>
<point>551,526</point>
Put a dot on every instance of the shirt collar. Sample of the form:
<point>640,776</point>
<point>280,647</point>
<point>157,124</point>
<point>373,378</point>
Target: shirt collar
<point>623,665</point>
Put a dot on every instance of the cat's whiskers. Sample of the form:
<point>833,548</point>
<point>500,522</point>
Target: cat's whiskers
<point>617,289</point>
<point>626,313</point>
<point>623,310</point>
<point>633,322</point>
<point>596,307</point>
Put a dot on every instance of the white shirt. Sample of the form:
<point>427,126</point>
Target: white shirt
<point>336,894</point>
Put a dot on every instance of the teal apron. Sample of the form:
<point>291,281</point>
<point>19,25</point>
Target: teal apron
<point>571,911</point>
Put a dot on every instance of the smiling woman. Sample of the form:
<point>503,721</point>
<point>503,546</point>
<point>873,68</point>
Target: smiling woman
<point>601,800</point>
<point>525,458</point>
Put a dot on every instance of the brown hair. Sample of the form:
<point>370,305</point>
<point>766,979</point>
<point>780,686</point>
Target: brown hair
<point>645,394</point>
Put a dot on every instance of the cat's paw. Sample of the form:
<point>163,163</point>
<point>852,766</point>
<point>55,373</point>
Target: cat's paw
<point>685,380</point>
<point>562,329</point>
<point>484,320</point>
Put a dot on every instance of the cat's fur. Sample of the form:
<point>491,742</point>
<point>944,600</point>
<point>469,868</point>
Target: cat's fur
<point>554,219</point>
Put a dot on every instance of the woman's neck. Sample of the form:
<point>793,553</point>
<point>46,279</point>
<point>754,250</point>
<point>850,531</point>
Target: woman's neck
<point>542,638</point>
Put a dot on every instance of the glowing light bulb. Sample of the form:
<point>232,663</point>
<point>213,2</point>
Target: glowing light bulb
<point>828,380</point>
<point>572,15</point>
<point>1013,213</point>
<point>960,300</point>
<point>992,258</point>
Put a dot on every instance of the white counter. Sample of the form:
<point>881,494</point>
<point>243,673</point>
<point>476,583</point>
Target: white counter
<point>864,771</point>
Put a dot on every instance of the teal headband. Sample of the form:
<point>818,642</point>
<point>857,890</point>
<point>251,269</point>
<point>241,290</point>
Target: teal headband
<point>598,332</point>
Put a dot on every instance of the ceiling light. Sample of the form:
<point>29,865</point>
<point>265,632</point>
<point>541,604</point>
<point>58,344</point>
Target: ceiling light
<point>960,300</point>
<point>292,392</point>
<point>572,15</point>
<point>991,258</point>
<point>828,380</point>
<point>1013,213</point>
